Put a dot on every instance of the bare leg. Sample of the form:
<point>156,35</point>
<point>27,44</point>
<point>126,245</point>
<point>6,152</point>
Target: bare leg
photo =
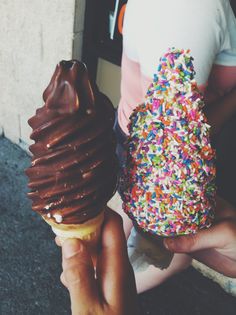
<point>153,276</point>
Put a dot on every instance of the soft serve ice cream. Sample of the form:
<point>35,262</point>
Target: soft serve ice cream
<point>73,168</point>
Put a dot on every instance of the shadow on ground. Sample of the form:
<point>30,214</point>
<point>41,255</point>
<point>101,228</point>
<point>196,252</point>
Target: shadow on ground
<point>30,263</point>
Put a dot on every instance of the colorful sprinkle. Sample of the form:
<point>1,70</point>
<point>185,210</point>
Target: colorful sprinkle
<point>169,181</point>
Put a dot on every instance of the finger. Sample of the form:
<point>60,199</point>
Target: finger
<point>216,236</point>
<point>78,273</point>
<point>63,281</point>
<point>58,241</point>
<point>115,273</point>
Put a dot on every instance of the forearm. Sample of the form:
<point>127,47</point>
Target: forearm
<point>220,111</point>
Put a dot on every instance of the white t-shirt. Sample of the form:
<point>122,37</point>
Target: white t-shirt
<point>206,27</point>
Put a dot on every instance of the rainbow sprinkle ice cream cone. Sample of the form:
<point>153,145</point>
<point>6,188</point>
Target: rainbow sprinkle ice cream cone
<point>169,181</point>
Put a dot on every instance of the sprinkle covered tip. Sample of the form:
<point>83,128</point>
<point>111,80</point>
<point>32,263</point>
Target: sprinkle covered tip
<point>169,181</point>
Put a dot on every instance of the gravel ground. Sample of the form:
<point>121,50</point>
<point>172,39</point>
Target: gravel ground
<point>30,262</point>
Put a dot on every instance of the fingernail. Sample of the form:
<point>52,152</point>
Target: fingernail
<point>169,243</point>
<point>71,247</point>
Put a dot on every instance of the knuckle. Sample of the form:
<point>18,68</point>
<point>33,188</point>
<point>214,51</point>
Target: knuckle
<point>62,278</point>
<point>188,242</point>
<point>73,275</point>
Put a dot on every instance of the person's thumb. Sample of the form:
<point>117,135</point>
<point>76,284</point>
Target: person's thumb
<point>78,274</point>
<point>204,239</point>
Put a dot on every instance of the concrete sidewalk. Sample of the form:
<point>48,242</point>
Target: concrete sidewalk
<point>30,263</point>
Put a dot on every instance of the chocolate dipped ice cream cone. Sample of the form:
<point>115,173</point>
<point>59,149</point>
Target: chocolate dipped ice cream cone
<point>73,171</point>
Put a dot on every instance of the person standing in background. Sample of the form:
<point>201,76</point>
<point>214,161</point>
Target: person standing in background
<point>208,29</point>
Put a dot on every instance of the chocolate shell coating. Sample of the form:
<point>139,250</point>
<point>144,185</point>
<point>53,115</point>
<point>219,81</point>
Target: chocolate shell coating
<point>73,171</point>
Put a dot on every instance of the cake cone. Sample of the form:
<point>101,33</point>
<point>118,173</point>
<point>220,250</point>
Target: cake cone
<point>88,232</point>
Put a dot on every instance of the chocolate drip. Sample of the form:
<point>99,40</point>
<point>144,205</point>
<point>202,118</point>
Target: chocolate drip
<point>73,168</point>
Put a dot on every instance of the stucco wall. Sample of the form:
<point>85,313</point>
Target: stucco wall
<point>34,36</point>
